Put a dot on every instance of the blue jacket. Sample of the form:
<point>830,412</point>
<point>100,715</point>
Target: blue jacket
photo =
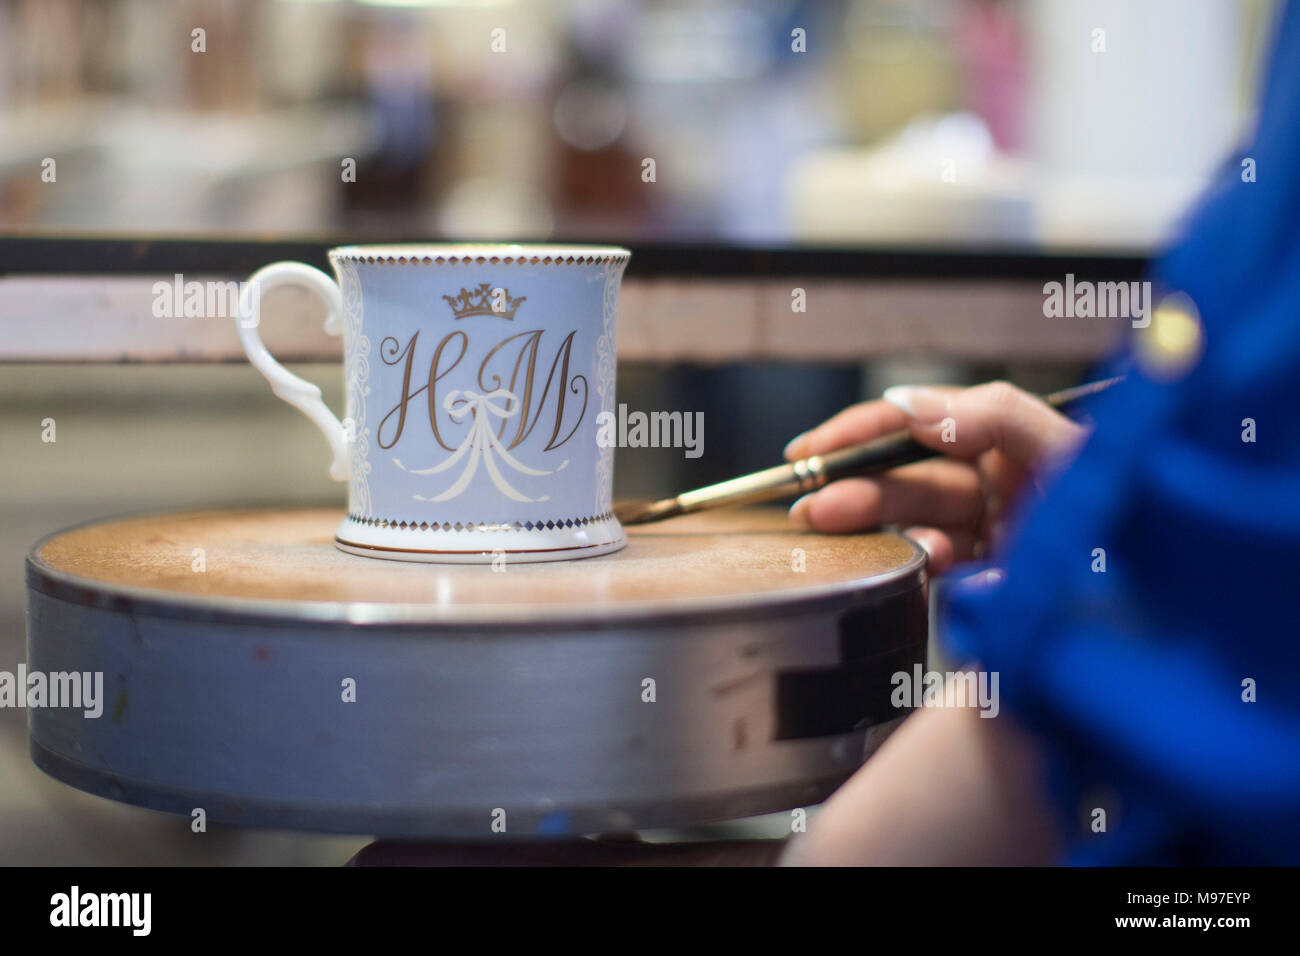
<point>1166,689</point>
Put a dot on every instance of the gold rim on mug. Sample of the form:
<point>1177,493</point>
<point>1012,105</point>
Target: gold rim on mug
<point>488,253</point>
<point>506,551</point>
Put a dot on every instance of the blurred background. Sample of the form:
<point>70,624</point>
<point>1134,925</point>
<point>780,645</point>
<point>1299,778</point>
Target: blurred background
<point>921,121</point>
<point>959,127</point>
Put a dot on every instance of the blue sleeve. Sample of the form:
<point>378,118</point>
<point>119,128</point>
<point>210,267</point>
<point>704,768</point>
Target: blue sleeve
<point>1138,680</point>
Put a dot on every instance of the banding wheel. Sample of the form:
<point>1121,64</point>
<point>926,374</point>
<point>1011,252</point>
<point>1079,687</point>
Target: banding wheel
<point>721,665</point>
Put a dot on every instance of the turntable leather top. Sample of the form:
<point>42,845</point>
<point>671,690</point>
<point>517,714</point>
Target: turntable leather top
<point>715,559</point>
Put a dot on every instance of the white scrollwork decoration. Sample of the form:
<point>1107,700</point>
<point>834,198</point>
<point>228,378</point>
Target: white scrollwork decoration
<point>606,361</point>
<point>357,365</point>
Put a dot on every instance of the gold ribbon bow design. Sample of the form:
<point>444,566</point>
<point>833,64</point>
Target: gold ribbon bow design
<point>481,443</point>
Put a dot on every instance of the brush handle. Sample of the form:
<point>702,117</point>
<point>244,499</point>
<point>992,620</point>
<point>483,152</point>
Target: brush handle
<point>899,448</point>
<point>869,458</point>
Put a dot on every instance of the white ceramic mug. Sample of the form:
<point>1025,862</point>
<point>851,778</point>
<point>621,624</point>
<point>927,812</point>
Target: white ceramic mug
<point>475,374</point>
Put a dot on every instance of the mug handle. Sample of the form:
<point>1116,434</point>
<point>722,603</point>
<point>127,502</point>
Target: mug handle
<point>298,392</point>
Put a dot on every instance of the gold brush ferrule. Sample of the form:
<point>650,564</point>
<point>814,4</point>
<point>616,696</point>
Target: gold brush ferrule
<point>811,473</point>
<point>799,477</point>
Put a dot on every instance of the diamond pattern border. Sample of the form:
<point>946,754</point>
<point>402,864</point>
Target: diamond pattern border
<point>445,259</point>
<point>550,525</point>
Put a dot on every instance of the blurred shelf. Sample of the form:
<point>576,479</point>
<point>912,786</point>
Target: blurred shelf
<point>46,253</point>
<point>91,300</point>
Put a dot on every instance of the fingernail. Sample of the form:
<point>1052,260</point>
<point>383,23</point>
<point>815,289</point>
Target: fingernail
<point>926,405</point>
<point>792,449</point>
<point>799,511</point>
<point>983,580</point>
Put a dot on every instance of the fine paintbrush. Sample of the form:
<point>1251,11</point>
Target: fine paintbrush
<point>809,474</point>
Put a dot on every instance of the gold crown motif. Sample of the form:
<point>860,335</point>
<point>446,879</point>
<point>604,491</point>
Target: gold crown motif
<point>484,301</point>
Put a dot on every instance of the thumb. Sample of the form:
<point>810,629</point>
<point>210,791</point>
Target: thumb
<point>965,423</point>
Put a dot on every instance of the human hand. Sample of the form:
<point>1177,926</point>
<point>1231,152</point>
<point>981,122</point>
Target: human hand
<point>994,438</point>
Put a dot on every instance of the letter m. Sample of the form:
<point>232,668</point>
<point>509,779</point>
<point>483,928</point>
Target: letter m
<point>119,905</point>
<point>65,687</point>
<point>1113,300</point>
<point>223,300</point>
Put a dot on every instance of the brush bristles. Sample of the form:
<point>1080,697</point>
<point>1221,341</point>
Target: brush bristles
<point>642,512</point>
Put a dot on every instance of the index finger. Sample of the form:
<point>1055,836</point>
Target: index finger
<point>861,422</point>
